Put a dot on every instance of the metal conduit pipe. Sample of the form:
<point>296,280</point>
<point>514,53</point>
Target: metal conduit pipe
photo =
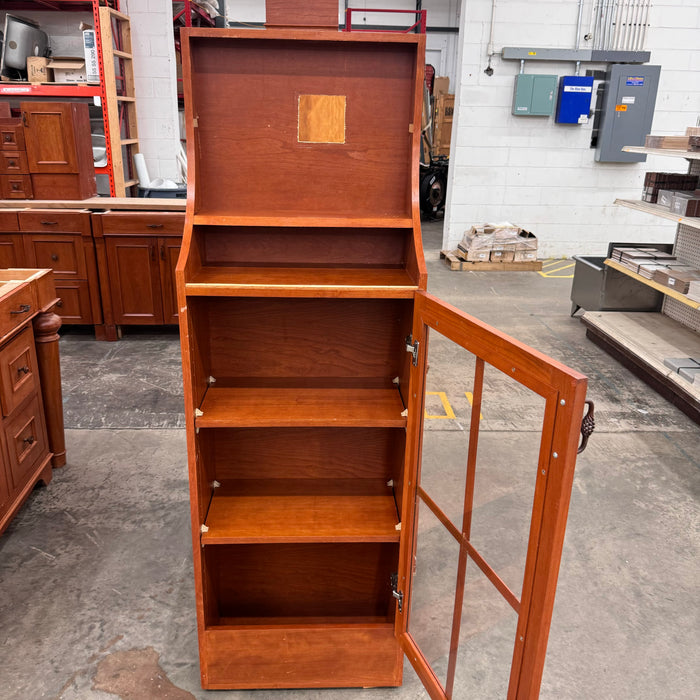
<point>577,45</point>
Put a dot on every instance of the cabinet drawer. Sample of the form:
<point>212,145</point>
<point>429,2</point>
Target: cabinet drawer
<point>9,221</point>
<point>18,371</point>
<point>11,250</point>
<point>51,220</point>
<point>26,441</point>
<point>11,135</point>
<point>63,254</point>
<point>12,162</point>
<point>160,223</point>
<point>16,309</point>
<point>74,305</point>
<point>16,186</point>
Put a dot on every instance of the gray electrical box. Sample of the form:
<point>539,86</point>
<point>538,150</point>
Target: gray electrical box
<point>534,95</point>
<point>627,113</point>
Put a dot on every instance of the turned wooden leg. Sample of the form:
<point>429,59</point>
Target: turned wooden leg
<point>46,327</point>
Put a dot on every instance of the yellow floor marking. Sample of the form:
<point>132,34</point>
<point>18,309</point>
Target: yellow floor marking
<point>551,267</point>
<point>470,398</point>
<point>449,413</point>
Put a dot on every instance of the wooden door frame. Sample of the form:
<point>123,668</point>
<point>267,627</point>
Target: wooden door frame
<point>564,391</point>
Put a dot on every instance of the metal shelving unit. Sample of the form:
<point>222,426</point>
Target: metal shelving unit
<point>642,341</point>
<point>115,88</point>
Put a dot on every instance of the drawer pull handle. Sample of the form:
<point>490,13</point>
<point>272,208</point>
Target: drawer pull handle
<point>11,163</point>
<point>29,440</point>
<point>49,223</point>
<point>23,309</point>
<point>23,370</point>
<point>59,303</point>
<point>54,257</point>
<point>155,225</point>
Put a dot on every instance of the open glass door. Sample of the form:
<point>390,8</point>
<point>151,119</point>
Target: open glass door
<point>503,536</point>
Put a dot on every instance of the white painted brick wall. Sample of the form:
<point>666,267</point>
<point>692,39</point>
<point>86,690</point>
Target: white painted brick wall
<point>541,175</point>
<point>155,83</point>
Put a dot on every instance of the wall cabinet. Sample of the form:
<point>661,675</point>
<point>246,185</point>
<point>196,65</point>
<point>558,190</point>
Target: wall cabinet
<point>137,252</point>
<point>31,420</point>
<point>304,333</point>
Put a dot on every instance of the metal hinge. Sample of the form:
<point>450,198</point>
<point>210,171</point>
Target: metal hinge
<point>412,348</point>
<point>395,590</point>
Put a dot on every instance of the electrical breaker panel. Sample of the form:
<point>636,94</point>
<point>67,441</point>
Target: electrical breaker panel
<point>534,95</point>
<point>628,110</point>
<point>574,99</point>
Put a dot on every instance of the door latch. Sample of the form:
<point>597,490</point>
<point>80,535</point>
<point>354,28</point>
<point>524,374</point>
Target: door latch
<point>395,590</point>
<point>412,347</point>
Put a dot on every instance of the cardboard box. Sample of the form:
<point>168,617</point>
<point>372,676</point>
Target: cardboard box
<point>38,69</point>
<point>503,255</point>
<point>478,255</point>
<point>526,241</point>
<point>441,86</point>
<point>67,69</point>
<point>525,256</point>
<point>664,198</point>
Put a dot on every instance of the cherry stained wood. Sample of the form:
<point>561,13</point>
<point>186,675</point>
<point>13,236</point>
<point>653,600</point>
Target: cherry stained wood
<point>223,217</point>
<point>13,162</point>
<point>297,656</point>
<point>59,149</point>
<point>169,252</point>
<point>19,375</point>
<point>322,579</point>
<point>134,279</point>
<point>331,339</point>
<point>315,14</point>
<point>304,453</point>
<point>312,247</point>
<point>16,186</point>
<point>31,427</point>
<point>370,173</point>
<point>246,407</point>
<point>11,251</point>
<point>301,511</point>
<point>62,241</point>
<point>289,282</point>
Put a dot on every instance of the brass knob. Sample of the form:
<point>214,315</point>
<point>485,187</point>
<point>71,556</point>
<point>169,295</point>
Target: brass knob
<point>23,370</point>
<point>29,440</point>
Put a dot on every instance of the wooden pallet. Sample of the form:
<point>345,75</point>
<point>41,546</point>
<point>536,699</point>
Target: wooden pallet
<point>455,263</point>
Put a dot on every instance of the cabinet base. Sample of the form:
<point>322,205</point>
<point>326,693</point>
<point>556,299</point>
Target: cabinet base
<point>328,656</point>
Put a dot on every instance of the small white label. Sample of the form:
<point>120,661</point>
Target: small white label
<point>578,88</point>
<point>627,100</point>
<point>583,119</point>
<point>521,109</point>
<point>671,281</point>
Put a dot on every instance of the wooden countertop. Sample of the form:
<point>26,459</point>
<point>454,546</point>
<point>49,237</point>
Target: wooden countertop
<point>97,203</point>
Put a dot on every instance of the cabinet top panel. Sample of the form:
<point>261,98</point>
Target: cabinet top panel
<point>302,122</point>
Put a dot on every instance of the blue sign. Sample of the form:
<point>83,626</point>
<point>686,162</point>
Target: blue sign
<point>635,80</point>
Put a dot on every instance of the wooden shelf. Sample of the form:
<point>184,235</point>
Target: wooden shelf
<point>302,510</point>
<point>642,341</point>
<point>225,219</point>
<point>654,285</point>
<point>690,155</point>
<point>658,210</point>
<point>249,408</point>
<point>300,281</point>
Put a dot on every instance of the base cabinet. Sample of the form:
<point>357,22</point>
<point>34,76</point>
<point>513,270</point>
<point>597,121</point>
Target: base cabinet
<point>31,426</point>
<point>137,253</point>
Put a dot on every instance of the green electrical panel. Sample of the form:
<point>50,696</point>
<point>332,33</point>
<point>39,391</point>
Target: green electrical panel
<point>534,95</point>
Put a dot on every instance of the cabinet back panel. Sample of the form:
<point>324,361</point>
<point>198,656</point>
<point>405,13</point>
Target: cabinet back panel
<point>250,158</point>
<point>302,580</point>
<point>307,247</point>
<point>305,453</point>
<point>297,341</point>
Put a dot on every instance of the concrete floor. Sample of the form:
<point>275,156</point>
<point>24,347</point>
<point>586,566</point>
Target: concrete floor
<point>96,593</point>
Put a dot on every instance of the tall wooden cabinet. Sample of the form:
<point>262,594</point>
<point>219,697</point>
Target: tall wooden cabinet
<point>304,322</point>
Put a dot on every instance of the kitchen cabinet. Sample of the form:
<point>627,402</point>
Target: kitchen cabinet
<point>31,421</point>
<point>304,330</point>
<point>137,252</point>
